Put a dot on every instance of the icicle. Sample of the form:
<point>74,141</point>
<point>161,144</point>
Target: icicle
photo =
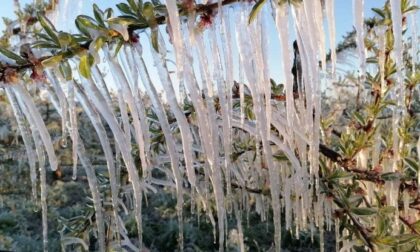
<point>123,145</point>
<point>225,95</point>
<point>26,99</point>
<point>414,41</point>
<point>359,20</point>
<point>254,80</point>
<point>209,131</point>
<point>175,27</point>
<point>99,79</point>
<point>330,11</point>
<point>92,182</point>
<point>42,171</point>
<point>94,189</point>
<point>74,132</point>
<point>224,113</point>
<point>27,140</point>
<point>64,105</point>
<point>381,58</point>
<point>138,100</point>
<point>283,32</point>
<point>398,47</point>
<point>170,142</point>
<point>106,146</point>
<point>124,115</point>
<point>120,79</point>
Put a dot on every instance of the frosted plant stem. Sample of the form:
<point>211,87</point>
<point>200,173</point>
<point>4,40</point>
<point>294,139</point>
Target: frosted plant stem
<point>27,140</point>
<point>37,119</point>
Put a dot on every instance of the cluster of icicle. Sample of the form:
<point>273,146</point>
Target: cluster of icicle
<point>206,66</point>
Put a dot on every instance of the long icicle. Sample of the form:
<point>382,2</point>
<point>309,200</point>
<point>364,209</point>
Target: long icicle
<point>100,103</point>
<point>169,139</point>
<point>92,180</point>
<point>183,125</point>
<point>359,19</point>
<point>106,146</point>
<point>42,169</point>
<point>27,140</point>
<point>37,119</point>
<point>330,11</point>
<point>121,80</point>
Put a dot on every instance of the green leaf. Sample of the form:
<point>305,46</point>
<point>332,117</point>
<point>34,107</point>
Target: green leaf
<point>379,12</point>
<point>255,10</point>
<point>87,22</point>
<point>364,211</point>
<point>124,8</point>
<point>86,62</point>
<point>108,13</point>
<point>148,11</point>
<point>48,28</point>
<point>13,56</point>
<point>154,38</point>
<point>99,15</point>
<point>66,40</point>
<point>52,61</point>
<point>412,164</point>
<point>65,70</point>
<point>133,6</point>
<point>123,20</point>
<point>46,45</point>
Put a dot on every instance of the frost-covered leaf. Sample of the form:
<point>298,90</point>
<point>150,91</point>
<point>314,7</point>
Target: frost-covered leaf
<point>13,56</point>
<point>48,28</point>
